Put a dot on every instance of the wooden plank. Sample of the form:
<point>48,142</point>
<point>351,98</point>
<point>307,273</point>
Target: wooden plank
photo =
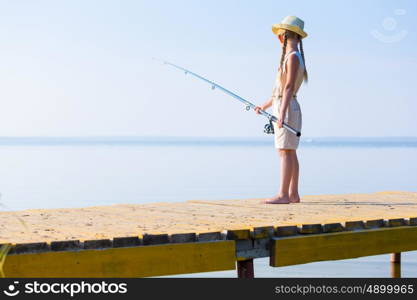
<point>310,228</point>
<point>332,227</point>
<point>141,261</point>
<point>29,247</point>
<point>183,237</point>
<point>354,225</point>
<point>107,222</point>
<point>155,239</point>
<point>210,236</point>
<point>126,241</point>
<point>287,251</point>
<point>375,223</point>
<point>238,234</point>
<point>286,230</point>
<point>252,248</point>
<point>97,244</point>
<point>263,232</point>
<point>396,222</point>
<point>65,245</point>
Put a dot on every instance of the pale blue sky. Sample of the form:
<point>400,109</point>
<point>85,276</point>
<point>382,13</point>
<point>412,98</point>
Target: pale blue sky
<point>81,68</point>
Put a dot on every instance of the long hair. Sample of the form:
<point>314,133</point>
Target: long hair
<point>287,35</point>
<point>284,49</point>
<point>304,60</point>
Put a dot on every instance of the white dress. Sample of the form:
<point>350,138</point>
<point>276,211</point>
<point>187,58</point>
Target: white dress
<point>285,139</point>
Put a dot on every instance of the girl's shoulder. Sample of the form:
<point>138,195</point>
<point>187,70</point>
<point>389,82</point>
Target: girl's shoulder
<point>296,54</point>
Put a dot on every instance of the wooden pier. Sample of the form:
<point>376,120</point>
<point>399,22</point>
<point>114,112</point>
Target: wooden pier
<point>129,240</point>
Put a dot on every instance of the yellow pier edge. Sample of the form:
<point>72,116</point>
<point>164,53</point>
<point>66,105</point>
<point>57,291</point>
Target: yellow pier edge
<point>142,261</point>
<point>302,249</point>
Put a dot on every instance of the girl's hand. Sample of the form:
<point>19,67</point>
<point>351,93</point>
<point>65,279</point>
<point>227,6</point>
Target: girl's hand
<point>257,109</point>
<point>280,120</point>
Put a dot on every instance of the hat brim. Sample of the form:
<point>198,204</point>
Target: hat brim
<point>276,28</point>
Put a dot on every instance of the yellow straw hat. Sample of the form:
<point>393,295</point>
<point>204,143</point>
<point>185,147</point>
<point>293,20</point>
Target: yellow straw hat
<point>290,23</point>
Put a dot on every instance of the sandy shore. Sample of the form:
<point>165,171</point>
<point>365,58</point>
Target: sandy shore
<point>45,225</point>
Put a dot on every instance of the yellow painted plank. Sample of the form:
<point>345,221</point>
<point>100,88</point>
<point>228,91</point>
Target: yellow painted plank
<point>295,250</point>
<point>142,261</point>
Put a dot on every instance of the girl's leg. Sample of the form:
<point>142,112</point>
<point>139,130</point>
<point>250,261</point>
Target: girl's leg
<point>293,191</point>
<point>287,166</point>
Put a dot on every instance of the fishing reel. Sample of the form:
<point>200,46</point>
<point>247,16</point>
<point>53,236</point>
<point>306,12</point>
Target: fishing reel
<point>269,128</point>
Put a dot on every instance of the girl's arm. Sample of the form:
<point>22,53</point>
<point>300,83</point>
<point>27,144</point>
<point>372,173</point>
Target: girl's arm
<point>267,104</point>
<point>288,91</point>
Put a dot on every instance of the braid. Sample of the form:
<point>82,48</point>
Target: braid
<point>302,54</point>
<point>284,49</point>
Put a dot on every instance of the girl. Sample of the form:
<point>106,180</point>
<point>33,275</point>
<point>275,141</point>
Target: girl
<point>291,73</point>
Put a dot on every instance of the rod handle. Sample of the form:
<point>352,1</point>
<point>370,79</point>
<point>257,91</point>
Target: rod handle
<point>288,127</point>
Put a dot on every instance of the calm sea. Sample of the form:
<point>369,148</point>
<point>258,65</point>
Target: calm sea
<point>76,172</point>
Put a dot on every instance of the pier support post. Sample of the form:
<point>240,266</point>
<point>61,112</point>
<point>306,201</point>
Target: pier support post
<point>395,261</point>
<point>245,269</point>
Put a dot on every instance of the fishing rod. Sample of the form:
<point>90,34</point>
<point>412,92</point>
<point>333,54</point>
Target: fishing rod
<point>269,129</point>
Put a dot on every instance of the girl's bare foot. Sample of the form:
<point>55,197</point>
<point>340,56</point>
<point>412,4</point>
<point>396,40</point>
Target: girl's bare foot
<point>294,198</point>
<point>277,200</point>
